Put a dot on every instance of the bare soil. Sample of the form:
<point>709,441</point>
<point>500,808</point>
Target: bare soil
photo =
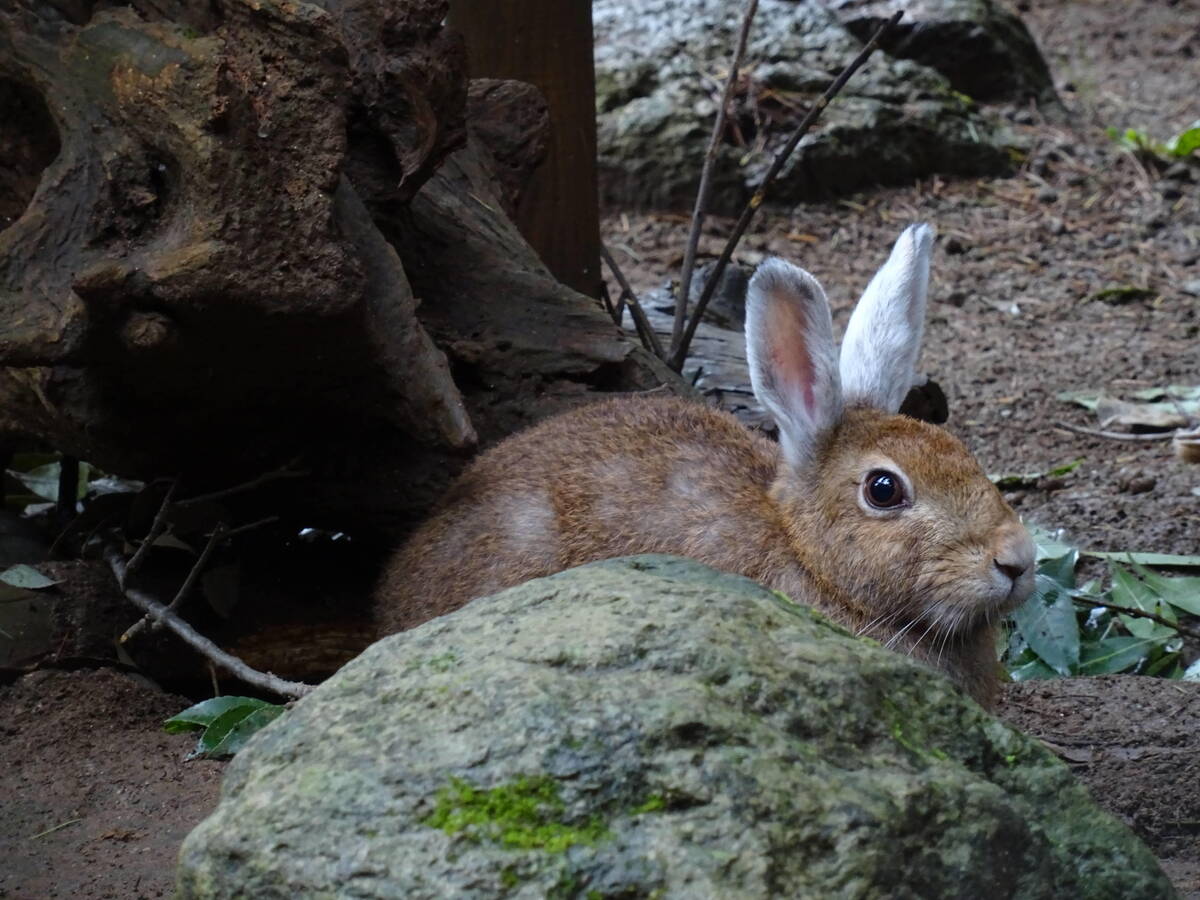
<point>97,798</point>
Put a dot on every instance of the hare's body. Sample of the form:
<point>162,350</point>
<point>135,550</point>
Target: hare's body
<point>884,523</point>
<point>703,486</point>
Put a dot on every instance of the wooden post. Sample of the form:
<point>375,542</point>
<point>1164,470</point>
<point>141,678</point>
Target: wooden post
<point>549,44</point>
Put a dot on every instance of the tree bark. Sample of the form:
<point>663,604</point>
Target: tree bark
<point>548,43</point>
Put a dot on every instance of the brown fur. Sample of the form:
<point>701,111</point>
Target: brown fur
<point>663,475</point>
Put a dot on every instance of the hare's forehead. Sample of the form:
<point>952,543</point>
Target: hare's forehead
<point>931,460</point>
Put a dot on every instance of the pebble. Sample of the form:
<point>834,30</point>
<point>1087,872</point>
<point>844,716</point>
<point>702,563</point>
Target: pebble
<point>1168,190</point>
<point>1179,171</point>
<point>1137,484</point>
<point>1191,287</point>
<point>1056,226</point>
<point>1047,194</point>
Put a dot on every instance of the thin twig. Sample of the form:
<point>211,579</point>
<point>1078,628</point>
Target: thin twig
<point>157,527</point>
<point>250,526</point>
<point>265,478</point>
<point>42,834</point>
<point>705,189</point>
<point>680,353</point>
<point>1140,614</point>
<point>645,332</point>
<point>215,538</point>
<point>1114,435</point>
<point>206,648</point>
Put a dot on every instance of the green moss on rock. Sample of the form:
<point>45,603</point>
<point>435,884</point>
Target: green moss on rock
<point>527,813</point>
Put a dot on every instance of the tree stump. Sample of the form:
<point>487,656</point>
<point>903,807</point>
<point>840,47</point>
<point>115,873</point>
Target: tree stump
<point>246,231</point>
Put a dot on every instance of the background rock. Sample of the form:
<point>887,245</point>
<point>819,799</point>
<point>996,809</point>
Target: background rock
<point>650,726</point>
<point>660,65</point>
<point>984,50</point>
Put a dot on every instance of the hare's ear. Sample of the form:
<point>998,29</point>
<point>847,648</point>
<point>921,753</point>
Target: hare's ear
<point>883,337</point>
<point>792,356</point>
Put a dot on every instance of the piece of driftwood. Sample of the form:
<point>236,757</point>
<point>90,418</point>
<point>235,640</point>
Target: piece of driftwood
<point>226,242</point>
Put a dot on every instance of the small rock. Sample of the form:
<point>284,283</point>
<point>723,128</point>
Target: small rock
<point>1047,194</point>
<point>1154,223</point>
<point>1056,226</point>
<point>956,298</point>
<point>1075,179</point>
<point>1137,484</point>
<point>1180,171</point>
<point>1023,116</point>
<point>1168,190</point>
<point>1051,484</point>
<point>954,246</point>
<point>1191,287</point>
<point>1016,498</point>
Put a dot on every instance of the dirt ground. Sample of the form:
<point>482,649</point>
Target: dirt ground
<point>97,797</point>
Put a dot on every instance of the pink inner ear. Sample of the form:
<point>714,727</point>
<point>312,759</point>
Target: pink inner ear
<point>791,360</point>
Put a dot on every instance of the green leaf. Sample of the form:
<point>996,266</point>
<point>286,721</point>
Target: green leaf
<point>1129,592</point>
<point>227,723</point>
<point>1087,399</point>
<point>1033,670</point>
<point>1065,468</point>
<point>1048,624</point>
<point>1176,560</point>
<point>23,576</point>
<point>1060,569</point>
<point>1114,654</point>
<point>1186,142</point>
<point>237,736</point>
<point>1182,592</point>
<point>203,714</point>
<point>42,481</point>
<point>1049,546</point>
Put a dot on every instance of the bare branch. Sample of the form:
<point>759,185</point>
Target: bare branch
<point>645,332</point>
<point>705,189</point>
<point>266,478</point>
<point>214,539</point>
<point>679,354</point>
<point>202,645</point>
<point>157,527</point>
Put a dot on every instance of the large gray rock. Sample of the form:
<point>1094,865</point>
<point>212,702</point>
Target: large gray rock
<point>659,69</point>
<point>648,727</point>
<point>982,48</point>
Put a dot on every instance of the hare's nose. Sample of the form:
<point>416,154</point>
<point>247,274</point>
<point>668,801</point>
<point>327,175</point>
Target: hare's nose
<point>1013,570</point>
<point>1015,554</point>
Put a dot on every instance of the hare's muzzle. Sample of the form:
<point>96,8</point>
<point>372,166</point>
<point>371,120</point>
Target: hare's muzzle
<point>1013,563</point>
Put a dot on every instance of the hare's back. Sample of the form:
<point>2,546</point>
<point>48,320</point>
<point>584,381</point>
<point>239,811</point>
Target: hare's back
<point>622,476</point>
<point>656,443</point>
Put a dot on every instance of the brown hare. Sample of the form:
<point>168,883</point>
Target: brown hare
<point>884,523</point>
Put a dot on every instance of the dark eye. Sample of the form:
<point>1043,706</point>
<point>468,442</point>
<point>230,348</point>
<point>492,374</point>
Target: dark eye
<point>883,490</point>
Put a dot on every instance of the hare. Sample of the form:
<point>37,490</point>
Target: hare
<point>884,523</point>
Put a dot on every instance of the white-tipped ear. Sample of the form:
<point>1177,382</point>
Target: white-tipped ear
<point>792,356</point>
<point>883,337</point>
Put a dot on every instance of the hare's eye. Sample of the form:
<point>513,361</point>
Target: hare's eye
<point>883,490</point>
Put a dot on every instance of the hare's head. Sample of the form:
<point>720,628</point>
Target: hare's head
<point>894,514</point>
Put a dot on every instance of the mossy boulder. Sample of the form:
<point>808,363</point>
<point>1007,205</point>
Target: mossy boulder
<point>660,65</point>
<point>648,727</point>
